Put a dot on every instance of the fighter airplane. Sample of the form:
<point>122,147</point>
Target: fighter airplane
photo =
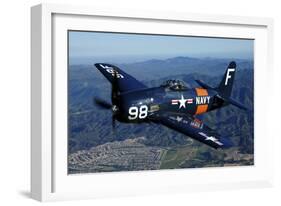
<point>171,104</point>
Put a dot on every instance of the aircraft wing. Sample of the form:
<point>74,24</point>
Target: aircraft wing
<point>193,128</point>
<point>125,81</point>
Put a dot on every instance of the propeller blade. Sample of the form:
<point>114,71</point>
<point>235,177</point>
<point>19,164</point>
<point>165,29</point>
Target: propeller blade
<point>102,103</point>
<point>114,100</point>
<point>105,105</point>
<point>82,112</point>
<point>113,124</point>
<point>114,88</point>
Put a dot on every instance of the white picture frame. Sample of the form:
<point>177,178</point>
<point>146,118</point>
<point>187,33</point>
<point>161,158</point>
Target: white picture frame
<point>49,179</point>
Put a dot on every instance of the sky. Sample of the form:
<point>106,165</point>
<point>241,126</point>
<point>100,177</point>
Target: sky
<point>137,47</point>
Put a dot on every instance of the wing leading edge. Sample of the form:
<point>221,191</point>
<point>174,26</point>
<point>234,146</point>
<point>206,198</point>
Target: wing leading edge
<point>193,128</point>
<point>125,81</point>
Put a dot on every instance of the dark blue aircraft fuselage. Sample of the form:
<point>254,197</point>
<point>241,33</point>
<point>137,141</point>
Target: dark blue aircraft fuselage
<point>137,106</point>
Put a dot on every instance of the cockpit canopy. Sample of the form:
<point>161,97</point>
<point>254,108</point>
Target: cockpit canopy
<point>176,85</point>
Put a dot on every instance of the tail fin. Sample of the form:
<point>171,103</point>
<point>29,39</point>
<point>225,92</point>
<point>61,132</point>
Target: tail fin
<point>225,86</point>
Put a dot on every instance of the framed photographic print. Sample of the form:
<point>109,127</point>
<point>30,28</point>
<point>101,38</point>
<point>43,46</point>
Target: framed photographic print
<point>137,102</point>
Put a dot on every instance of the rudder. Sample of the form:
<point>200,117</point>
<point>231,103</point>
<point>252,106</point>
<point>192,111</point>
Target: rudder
<point>225,86</point>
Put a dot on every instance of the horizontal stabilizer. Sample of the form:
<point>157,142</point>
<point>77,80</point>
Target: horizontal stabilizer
<point>202,84</point>
<point>237,104</point>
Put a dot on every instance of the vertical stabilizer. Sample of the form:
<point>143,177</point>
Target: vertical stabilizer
<point>225,86</point>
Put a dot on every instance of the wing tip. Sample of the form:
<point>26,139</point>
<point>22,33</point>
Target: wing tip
<point>226,143</point>
<point>99,65</point>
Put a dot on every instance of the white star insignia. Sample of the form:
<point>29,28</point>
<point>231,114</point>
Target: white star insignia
<point>211,138</point>
<point>182,102</point>
<point>179,118</point>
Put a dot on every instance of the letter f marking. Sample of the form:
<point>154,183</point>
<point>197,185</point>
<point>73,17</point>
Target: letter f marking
<point>228,76</point>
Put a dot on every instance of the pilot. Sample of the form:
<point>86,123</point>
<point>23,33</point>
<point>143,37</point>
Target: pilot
<point>178,85</point>
<point>175,85</point>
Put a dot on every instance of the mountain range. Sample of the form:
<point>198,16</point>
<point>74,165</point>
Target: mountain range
<point>90,127</point>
